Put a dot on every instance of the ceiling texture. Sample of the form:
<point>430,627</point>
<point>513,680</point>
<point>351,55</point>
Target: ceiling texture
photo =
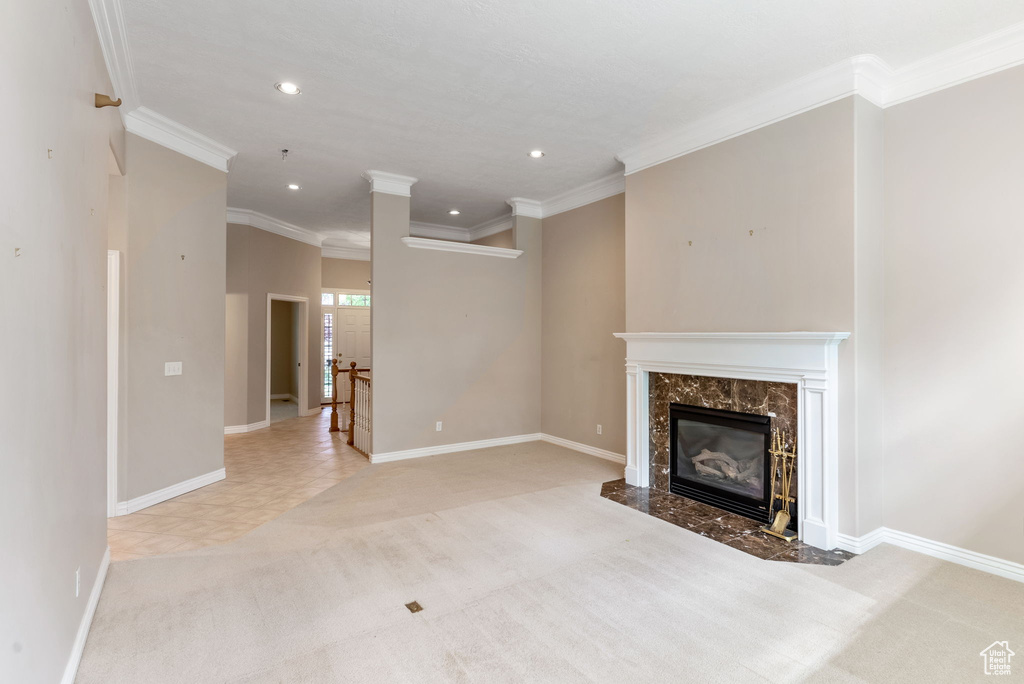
<point>457,92</point>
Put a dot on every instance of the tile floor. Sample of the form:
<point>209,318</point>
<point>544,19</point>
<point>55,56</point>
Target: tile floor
<point>268,472</point>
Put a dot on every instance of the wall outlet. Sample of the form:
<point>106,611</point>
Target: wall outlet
<point>172,368</point>
<point>78,581</point>
<point>437,428</point>
<point>598,429</point>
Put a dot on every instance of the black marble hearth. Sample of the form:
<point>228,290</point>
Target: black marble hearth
<point>728,528</point>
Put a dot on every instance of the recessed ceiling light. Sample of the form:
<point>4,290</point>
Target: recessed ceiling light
<point>294,186</point>
<point>288,88</point>
<point>454,212</point>
<point>536,154</point>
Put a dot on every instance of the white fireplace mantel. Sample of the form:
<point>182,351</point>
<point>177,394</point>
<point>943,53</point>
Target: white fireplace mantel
<point>807,359</point>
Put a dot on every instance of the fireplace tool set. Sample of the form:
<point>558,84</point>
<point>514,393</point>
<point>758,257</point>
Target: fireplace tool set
<point>783,463</point>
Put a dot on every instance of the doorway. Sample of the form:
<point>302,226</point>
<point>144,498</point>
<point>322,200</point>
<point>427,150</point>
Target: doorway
<point>345,334</point>
<point>287,351</point>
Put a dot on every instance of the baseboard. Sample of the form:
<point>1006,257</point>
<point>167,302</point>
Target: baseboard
<point>239,429</point>
<point>860,545</point>
<point>451,448</point>
<point>500,441</point>
<point>935,549</point>
<point>153,498</point>
<point>71,669</point>
<point>313,411</point>
<point>280,396</point>
<point>585,448</point>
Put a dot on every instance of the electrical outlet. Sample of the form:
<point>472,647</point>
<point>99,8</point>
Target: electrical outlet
<point>78,581</point>
<point>172,368</point>
<point>437,428</point>
<point>598,429</point>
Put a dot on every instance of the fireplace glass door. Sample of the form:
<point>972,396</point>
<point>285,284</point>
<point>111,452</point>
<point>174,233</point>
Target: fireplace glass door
<point>721,458</point>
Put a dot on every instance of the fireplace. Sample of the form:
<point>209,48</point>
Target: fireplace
<point>721,458</point>
<point>806,361</point>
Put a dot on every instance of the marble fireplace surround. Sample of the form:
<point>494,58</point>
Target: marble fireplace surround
<point>807,359</point>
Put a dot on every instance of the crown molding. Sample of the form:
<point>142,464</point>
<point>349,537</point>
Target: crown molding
<point>994,52</point>
<point>108,16</point>
<point>866,75</point>
<point>489,228</point>
<point>147,124</point>
<point>600,189</point>
<point>350,253</point>
<point>439,232</point>
<point>809,92</point>
<point>390,183</point>
<point>525,207</point>
<point>247,217</point>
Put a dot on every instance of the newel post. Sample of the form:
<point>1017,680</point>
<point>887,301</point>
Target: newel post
<point>334,395</point>
<point>352,403</point>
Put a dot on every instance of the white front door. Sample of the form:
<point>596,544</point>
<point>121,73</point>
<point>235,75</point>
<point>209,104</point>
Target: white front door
<point>345,326</point>
<point>354,335</point>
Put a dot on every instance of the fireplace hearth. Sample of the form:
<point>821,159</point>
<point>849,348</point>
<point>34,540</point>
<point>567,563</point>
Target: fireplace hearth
<point>721,458</point>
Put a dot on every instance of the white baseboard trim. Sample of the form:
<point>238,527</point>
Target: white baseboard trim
<point>239,429</point>
<point>451,448</point>
<point>947,552</point>
<point>859,545</point>
<point>280,396</point>
<point>71,669</point>
<point>585,448</point>
<point>153,498</point>
<point>500,441</point>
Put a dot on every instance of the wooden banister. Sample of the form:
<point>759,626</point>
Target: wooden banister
<point>334,396</point>
<point>352,373</point>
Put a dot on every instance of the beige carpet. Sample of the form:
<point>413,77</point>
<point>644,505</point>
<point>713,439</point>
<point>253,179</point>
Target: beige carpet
<point>526,574</point>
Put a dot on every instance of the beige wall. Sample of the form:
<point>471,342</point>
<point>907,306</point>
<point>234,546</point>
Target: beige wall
<point>261,263</point>
<point>584,302</point>
<point>954,332</point>
<point>283,352</point>
<point>692,264</point>
<point>345,274</point>
<point>792,185</point>
<point>456,338</point>
<point>174,311</point>
<point>53,332</point>
<point>236,337</point>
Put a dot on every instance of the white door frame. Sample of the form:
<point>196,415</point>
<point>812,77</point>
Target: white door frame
<point>335,308</point>
<point>303,303</point>
<point>113,357</point>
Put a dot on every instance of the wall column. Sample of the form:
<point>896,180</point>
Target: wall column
<point>391,195</point>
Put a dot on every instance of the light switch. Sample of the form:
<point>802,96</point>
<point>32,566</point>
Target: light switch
<point>172,368</point>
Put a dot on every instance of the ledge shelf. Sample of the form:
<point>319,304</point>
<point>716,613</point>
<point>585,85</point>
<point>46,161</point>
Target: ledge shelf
<point>464,247</point>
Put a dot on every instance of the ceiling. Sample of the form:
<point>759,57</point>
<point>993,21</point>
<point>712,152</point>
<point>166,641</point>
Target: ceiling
<point>456,92</point>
